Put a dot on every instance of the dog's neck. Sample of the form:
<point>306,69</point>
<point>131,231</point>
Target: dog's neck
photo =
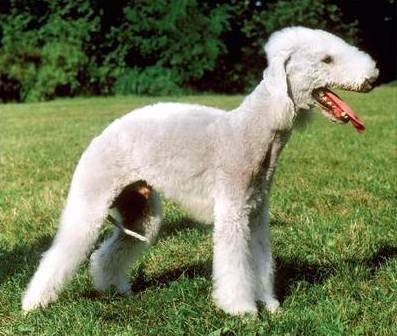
<point>270,111</point>
<point>262,124</point>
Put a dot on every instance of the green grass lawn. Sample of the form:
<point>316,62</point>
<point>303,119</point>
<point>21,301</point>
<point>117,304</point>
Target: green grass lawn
<point>333,221</point>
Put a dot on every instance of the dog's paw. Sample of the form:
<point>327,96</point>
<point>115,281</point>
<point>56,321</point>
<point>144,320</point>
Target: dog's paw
<point>123,286</point>
<point>29,305</point>
<point>235,306</point>
<point>30,301</point>
<point>272,305</point>
<point>270,302</point>
<point>238,309</point>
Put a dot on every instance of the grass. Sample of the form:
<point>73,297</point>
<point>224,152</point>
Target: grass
<point>333,219</point>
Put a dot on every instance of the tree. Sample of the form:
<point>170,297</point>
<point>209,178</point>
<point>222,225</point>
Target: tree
<point>45,52</point>
<point>240,67</point>
<point>51,48</point>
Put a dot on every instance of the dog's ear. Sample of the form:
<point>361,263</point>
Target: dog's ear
<point>276,84</point>
<point>275,76</point>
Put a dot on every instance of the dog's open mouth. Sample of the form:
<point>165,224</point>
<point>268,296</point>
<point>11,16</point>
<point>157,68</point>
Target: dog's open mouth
<point>336,109</point>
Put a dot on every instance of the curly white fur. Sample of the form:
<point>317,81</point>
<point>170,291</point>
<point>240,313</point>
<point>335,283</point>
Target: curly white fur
<point>217,165</point>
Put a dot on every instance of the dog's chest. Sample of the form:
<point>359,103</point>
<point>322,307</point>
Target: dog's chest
<point>262,178</point>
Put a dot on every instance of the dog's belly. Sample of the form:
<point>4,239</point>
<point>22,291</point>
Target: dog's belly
<point>192,197</point>
<point>199,209</point>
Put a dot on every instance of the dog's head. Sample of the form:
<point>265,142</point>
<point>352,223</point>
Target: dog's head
<point>306,63</point>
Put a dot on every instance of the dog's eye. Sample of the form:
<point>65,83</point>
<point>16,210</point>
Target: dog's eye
<point>327,59</point>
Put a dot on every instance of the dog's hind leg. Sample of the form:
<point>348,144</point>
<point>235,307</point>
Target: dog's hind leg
<point>109,264</point>
<point>90,196</point>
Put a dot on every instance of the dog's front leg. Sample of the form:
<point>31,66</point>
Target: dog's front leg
<point>261,252</point>
<point>233,273</point>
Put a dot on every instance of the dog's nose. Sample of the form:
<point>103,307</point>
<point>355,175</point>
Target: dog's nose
<point>374,76</point>
<point>366,86</point>
<point>369,82</point>
<point>371,79</point>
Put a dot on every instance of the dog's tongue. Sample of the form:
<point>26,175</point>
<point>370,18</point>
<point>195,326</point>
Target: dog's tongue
<point>356,121</point>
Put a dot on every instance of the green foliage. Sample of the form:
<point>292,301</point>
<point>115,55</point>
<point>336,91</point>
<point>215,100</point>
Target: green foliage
<point>55,48</point>
<point>45,53</point>
<point>320,14</point>
<point>152,80</point>
<point>165,44</point>
<point>241,66</point>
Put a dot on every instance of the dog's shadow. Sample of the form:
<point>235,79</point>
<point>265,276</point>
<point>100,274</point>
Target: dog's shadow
<point>141,282</point>
<point>288,273</point>
<point>379,258</point>
<point>22,258</point>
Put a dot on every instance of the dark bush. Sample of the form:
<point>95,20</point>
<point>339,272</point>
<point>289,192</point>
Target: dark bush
<point>52,48</point>
<point>152,80</point>
<point>45,52</point>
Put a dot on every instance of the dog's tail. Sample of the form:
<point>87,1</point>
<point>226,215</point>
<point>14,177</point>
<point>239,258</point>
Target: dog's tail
<point>92,191</point>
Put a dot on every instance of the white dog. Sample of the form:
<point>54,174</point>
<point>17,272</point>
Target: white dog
<point>217,165</point>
